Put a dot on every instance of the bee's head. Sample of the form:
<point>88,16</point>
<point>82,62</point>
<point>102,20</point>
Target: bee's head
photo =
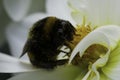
<point>62,31</point>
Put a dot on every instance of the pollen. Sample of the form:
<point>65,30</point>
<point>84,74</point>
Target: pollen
<point>81,32</point>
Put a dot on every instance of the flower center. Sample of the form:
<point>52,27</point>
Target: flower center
<point>92,53</point>
<point>81,32</point>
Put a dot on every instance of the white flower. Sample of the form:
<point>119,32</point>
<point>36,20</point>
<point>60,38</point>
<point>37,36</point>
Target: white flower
<point>96,56</point>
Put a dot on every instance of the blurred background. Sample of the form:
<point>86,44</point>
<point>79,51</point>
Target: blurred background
<point>6,18</point>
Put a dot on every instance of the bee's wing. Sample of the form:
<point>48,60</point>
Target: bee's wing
<point>26,47</point>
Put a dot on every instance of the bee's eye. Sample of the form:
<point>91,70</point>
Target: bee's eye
<point>63,23</point>
<point>61,28</point>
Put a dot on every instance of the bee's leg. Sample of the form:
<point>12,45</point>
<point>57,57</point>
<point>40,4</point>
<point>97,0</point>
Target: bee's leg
<point>68,44</point>
<point>63,56</point>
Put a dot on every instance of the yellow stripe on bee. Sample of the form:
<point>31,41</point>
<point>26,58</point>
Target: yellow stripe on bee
<point>49,24</point>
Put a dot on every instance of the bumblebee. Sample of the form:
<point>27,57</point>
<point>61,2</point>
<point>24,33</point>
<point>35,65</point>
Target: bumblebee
<point>45,41</point>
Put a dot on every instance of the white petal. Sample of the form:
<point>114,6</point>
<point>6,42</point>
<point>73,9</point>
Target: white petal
<point>17,34</point>
<point>103,77</point>
<point>97,12</point>
<point>9,64</point>
<point>79,20</point>
<point>76,6</point>
<point>62,73</point>
<point>17,9</point>
<point>112,32</point>
<point>114,16</point>
<point>112,69</point>
<point>59,9</point>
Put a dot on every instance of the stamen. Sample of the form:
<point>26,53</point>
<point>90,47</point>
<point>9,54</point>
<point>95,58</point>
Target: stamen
<point>81,32</point>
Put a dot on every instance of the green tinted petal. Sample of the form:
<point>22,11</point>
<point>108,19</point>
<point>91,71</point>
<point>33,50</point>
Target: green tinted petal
<point>80,77</point>
<point>112,69</point>
<point>104,77</point>
<point>61,73</point>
